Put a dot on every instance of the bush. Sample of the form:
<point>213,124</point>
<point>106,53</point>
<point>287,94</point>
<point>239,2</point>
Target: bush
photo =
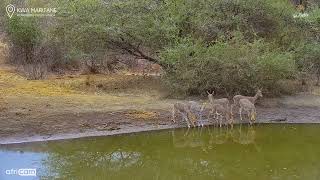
<point>25,35</point>
<point>308,53</point>
<point>227,68</point>
<point>308,59</point>
<point>254,18</point>
<point>35,71</point>
<point>230,46</point>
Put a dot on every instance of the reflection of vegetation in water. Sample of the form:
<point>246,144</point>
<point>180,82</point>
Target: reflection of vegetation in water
<point>259,152</point>
<point>88,162</point>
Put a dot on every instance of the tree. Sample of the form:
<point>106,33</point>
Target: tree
<point>25,35</point>
<point>309,60</point>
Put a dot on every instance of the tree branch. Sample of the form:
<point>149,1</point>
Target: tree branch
<point>134,51</point>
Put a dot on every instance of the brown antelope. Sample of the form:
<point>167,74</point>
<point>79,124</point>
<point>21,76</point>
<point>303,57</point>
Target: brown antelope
<point>185,112</point>
<point>248,106</point>
<point>223,101</point>
<point>220,113</point>
<point>253,99</point>
<point>197,110</point>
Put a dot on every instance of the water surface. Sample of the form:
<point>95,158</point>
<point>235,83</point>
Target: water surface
<point>261,152</point>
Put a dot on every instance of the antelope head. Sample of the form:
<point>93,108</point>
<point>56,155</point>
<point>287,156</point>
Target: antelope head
<point>210,96</point>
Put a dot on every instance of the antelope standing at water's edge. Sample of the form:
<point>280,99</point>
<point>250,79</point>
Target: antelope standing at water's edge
<point>248,106</point>
<point>222,101</point>
<point>253,99</point>
<point>185,112</point>
<point>222,113</point>
<point>197,110</point>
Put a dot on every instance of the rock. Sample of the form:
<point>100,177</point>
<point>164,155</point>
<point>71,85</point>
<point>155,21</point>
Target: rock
<point>278,120</point>
<point>113,128</point>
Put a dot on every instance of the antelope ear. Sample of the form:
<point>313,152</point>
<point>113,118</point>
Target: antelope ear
<point>208,92</point>
<point>212,92</point>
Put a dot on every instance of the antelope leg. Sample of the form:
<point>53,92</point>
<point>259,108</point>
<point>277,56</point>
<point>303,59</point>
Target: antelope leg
<point>240,112</point>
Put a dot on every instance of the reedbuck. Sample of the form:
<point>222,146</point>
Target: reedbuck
<point>253,99</point>
<point>185,112</point>
<point>248,106</point>
<point>223,101</point>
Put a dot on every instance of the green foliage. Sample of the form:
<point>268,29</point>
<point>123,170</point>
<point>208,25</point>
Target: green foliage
<point>24,32</point>
<point>308,59</point>
<point>151,26</point>
<point>94,26</point>
<point>81,25</point>
<point>308,53</point>
<point>228,68</point>
<point>228,45</point>
<point>313,24</point>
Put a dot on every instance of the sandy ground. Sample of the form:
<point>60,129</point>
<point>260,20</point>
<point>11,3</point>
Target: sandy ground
<point>64,107</point>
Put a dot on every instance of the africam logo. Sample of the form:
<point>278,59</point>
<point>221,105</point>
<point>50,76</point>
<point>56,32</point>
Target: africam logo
<point>22,172</point>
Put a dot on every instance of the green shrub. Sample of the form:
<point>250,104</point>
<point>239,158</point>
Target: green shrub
<point>231,46</point>
<point>308,59</point>
<point>25,35</point>
<point>227,68</point>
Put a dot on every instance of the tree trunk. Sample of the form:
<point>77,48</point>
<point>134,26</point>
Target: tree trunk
<point>28,54</point>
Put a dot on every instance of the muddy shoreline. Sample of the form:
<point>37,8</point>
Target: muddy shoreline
<point>95,124</point>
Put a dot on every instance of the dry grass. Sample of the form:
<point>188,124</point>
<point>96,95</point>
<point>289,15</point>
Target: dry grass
<point>67,94</point>
<point>115,84</point>
<point>142,115</point>
<point>3,51</point>
<point>316,90</point>
<point>13,84</point>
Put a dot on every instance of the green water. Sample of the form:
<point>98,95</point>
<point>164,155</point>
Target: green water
<point>261,152</point>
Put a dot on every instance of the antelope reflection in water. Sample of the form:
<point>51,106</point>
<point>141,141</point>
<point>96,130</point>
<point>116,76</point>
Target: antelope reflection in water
<point>248,137</point>
<point>189,139</point>
<point>192,138</point>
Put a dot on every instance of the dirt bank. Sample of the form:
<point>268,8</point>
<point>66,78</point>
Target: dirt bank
<point>17,128</point>
<point>67,107</point>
